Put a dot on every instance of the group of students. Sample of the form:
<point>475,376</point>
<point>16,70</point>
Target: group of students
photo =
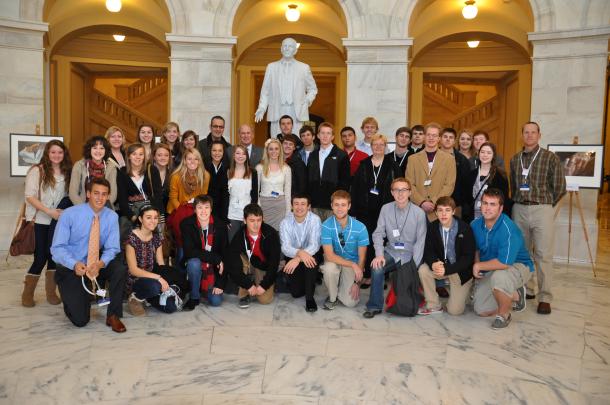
<point>236,211</point>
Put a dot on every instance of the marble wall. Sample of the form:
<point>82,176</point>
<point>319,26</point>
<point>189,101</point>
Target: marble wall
<point>21,106</point>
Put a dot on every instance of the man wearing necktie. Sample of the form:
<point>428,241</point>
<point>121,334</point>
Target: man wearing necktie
<point>83,231</point>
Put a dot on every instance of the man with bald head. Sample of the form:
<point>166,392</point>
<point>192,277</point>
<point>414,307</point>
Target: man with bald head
<point>246,137</point>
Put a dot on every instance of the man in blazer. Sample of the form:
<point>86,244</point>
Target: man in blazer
<point>327,172</point>
<point>431,173</point>
<point>246,136</point>
<point>288,88</point>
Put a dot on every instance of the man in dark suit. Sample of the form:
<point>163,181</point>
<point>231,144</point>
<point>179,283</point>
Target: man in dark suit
<point>246,136</point>
<point>327,172</point>
<point>299,170</point>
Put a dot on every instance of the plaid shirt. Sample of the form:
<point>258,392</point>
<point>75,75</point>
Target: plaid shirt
<point>546,179</point>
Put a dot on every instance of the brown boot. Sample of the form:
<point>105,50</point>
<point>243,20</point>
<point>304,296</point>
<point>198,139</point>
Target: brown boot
<point>51,288</point>
<point>29,285</point>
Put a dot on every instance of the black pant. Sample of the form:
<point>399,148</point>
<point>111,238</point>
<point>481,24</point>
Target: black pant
<point>77,301</point>
<point>302,281</point>
<point>42,249</point>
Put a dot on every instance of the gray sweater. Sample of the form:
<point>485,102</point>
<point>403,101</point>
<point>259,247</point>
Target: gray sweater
<point>79,177</point>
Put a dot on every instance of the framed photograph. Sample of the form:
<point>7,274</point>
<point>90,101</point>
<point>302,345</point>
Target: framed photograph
<point>26,150</point>
<point>582,164</point>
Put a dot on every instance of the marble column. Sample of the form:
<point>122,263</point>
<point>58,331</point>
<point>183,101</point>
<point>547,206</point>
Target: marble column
<point>568,89</point>
<point>21,106</point>
<point>377,82</point>
<point>200,80</point>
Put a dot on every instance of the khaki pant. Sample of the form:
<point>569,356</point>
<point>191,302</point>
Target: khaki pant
<point>457,297</point>
<point>506,281</point>
<point>267,297</point>
<point>536,224</point>
<point>339,280</point>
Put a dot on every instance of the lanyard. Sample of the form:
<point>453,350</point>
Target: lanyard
<point>351,155</point>
<point>348,235</point>
<point>445,240</point>
<point>250,252</point>
<point>431,164</point>
<point>300,238</point>
<point>479,185</point>
<point>406,217</point>
<point>401,160</point>
<point>376,175</point>
<point>531,163</point>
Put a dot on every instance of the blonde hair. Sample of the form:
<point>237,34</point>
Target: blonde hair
<point>182,170</point>
<point>378,137</point>
<point>369,120</point>
<point>266,162</point>
<point>166,128</point>
<point>111,130</point>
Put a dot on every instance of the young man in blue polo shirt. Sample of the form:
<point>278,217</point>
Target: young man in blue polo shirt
<point>344,241</point>
<point>502,264</point>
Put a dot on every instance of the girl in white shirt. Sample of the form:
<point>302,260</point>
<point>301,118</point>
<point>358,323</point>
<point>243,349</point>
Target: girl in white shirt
<point>243,183</point>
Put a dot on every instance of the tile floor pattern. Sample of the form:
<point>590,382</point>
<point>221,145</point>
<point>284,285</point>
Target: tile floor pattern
<point>279,354</point>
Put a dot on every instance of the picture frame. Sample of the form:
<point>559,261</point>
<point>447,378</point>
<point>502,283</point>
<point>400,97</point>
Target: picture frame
<point>26,150</point>
<point>582,164</point>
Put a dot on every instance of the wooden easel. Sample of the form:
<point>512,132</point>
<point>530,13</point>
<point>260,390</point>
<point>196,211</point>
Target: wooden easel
<point>572,194</point>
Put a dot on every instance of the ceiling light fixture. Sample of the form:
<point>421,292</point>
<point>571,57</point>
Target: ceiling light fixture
<point>119,37</point>
<point>472,44</point>
<point>292,13</point>
<point>470,10</point>
<point>114,6</point>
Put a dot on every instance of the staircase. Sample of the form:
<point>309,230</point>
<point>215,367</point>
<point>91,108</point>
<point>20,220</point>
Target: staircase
<point>479,116</point>
<point>107,111</point>
<point>142,90</point>
<point>449,96</point>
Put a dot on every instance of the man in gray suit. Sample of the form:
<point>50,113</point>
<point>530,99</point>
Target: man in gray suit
<point>288,89</point>
<point>246,136</point>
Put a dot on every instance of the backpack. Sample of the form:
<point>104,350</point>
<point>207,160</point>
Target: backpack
<point>404,296</point>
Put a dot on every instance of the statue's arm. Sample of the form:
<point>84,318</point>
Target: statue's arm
<point>310,87</point>
<point>263,100</point>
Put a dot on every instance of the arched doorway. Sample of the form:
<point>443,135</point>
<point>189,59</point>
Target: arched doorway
<point>93,80</point>
<point>487,87</point>
<point>260,26</point>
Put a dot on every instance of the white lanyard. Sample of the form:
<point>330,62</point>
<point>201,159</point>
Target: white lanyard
<point>479,184</point>
<point>406,217</point>
<point>431,164</point>
<point>401,160</point>
<point>348,235</point>
<point>376,175</point>
<point>445,240</point>
<point>300,238</point>
<point>352,155</point>
<point>250,252</point>
<point>523,170</point>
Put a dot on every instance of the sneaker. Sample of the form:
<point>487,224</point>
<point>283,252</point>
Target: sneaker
<point>136,307</point>
<point>190,305</point>
<point>310,305</point>
<point>521,303</point>
<point>429,311</point>
<point>244,302</point>
<point>330,305</point>
<point>370,313</point>
<point>500,322</point>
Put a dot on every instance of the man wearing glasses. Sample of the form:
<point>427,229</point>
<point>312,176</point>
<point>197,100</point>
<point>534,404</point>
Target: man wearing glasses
<point>217,129</point>
<point>403,224</point>
<point>344,241</point>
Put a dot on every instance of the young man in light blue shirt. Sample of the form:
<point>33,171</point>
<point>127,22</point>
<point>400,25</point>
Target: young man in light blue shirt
<point>344,240</point>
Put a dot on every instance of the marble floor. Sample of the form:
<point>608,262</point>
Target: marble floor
<point>279,354</point>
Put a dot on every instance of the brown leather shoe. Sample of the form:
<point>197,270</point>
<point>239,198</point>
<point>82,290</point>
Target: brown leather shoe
<point>544,308</point>
<point>115,323</point>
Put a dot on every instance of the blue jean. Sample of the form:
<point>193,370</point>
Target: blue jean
<point>149,289</point>
<point>377,277</point>
<point>193,271</point>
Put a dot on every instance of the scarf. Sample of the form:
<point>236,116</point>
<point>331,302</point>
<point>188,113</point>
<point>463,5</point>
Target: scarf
<point>95,170</point>
<point>190,183</point>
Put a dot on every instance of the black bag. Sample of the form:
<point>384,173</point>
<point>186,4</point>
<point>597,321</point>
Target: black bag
<point>405,291</point>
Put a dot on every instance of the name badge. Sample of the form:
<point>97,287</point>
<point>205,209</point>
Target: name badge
<point>524,187</point>
<point>525,172</point>
<point>427,182</point>
<point>275,194</point>
<point>395,233</point>
<point>374,191</point>
<point>399,246</point>
<point>208,248</point>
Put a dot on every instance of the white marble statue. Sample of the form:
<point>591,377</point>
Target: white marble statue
<point>288,89</point>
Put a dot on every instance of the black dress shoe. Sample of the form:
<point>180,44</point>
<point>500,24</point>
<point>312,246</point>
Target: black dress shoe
<point>190,305</point>
<point>310,305</point>
<point>530,296</point>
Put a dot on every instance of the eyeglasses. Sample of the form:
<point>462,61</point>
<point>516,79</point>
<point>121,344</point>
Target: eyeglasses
<point>218,126</point>
<point>400,190</point>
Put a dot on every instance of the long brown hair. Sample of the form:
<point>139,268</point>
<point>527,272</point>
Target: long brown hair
<point>247,171</point>
<point>48,177</point>
<point>130,150</point>
<point>494,169</point>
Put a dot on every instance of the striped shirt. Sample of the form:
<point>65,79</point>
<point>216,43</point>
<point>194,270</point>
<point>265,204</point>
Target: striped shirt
<point>346,241</point>
<point>546,178</point>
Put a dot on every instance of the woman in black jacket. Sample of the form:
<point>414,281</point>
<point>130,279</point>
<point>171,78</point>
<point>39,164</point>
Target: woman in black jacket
<point>449,254</point>
<point>218,188</point>
<point>204,239</point>
<point>487,175</point>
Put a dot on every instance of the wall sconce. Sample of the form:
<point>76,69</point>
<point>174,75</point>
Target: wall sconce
<point>292,13</point>
<point>472,44</point>
<point>114,6</point>
<point>470,10</point>
<point>119,37</point>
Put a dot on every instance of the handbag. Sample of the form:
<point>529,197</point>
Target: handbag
<point>23,242</point>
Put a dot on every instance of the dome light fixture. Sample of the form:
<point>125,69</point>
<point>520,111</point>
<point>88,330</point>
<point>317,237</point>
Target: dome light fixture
<point>119,37</point>
<point>292,13</point>
<point>114,6</point>
<point>470,10</point>
<point>472,44</point>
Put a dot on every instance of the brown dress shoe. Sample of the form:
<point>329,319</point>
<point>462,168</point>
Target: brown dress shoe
<point>115,323</point>
<point>544,308</point>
